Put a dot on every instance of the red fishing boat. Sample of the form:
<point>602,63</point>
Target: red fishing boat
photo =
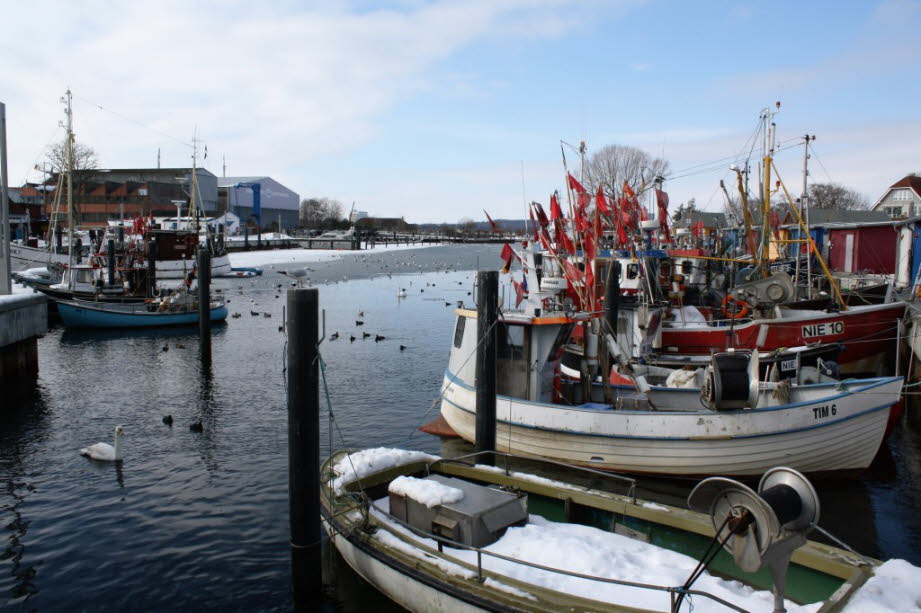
<point>867,332</point>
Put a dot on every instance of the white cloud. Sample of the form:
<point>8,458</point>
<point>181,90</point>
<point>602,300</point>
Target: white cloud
<point>271,86</point>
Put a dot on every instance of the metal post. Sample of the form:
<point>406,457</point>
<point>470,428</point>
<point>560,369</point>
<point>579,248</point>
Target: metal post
<point>304,445</point>
<point>258,237</point>
<point>246,238</point>
<point>110,257</point>
<point>151,269</point>
<point>5,262</point>
<point>487,319</point>
<point>204,304</point>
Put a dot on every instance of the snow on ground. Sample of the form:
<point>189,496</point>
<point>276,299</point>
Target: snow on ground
<point>249,259</point>
<point>425,491</point>
<point>362,463</point>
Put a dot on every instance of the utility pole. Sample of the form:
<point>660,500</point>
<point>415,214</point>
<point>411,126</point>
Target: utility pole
<point>5,284</point>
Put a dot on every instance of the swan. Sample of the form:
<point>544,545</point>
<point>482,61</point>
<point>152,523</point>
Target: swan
<point>105,452</point>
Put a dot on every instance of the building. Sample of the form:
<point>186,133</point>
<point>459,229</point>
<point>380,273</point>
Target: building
<point>103,194</point>
<point>356,215</point>
<point>383,224</point>
<point>903,198</point>
<point>26,211</point>
<point>686,218</point>
<point>277,202</point>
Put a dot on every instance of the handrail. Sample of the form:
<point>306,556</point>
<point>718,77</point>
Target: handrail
<point>600,473</point>
<point>480,552</point>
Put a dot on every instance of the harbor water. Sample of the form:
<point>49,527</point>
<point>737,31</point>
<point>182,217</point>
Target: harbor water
<point>199,520</point>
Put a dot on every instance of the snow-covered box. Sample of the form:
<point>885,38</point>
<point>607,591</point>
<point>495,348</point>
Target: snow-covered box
<point>464,512</point>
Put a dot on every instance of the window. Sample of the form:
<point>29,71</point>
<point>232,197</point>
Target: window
<point>687,267</point>
<point>901,194</point>
<point>893,211</point>
<point>459,331</point>
<point>633,271</point>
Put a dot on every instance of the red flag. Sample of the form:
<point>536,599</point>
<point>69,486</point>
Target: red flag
<point>563,237</point>
<point>541,215</point>
<point>573,184</point>
<point>600,203</point>
<point>492,224</point>
<point>584,200</point>
<point>628,191</point>
<point>555,211</point>
<point>572,271</point>
<point>697,229</point>
<point>519,292</point>
<point>662,202</point>
<point>507,255</point>
<point>533,223</point>
<point>588,247</point>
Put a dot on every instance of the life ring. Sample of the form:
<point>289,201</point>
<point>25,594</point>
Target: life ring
<point>736,314</point>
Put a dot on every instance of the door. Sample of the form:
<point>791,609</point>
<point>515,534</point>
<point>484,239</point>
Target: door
<point>849,252</point>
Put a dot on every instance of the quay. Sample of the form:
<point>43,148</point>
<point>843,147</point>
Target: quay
<point>23,319</point>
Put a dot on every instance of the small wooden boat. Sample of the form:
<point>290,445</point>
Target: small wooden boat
<point>88,314</point>
<point>450,535</point>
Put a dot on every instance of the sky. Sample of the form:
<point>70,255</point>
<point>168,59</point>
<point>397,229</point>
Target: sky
<point>435,111</point>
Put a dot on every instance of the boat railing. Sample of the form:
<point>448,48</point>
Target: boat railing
<point>673,591</point>
<point>629,481</point>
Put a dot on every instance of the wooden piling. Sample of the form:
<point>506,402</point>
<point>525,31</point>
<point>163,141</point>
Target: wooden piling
<point>304,446</point>
<point>487,318</point>
<point>151,269</point>
<point>245,238</point>
<point>204,304</point>
<point>110,257</point>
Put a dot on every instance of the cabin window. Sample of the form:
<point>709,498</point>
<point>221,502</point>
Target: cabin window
<point>633,271</point>
<point>459,331</point>
<point>687,267</point>
<point>512,360</point>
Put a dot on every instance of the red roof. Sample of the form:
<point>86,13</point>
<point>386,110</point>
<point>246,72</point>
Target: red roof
<point>912,181</point>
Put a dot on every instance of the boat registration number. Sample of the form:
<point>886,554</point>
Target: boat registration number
<point>823,329</point>
<point>824,411</point>
<point>788,365</point>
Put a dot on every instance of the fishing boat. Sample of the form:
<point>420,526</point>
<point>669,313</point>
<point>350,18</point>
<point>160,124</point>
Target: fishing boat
<point>178,309</point>
<point>437,534</point>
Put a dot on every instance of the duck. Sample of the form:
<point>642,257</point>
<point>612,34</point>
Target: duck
<point>365,334</point>
<point>378,338</point>
<point>254,313</point>
<point>168,420</point>
<point>197,426</point>
<point>267,315</point>
<point>236,316</point>
<point>333,336</point>
<point>402,347</point>
<point>358,322</point>
<point>104,452</point>
<point>351,339</point>
<point>165,347</point>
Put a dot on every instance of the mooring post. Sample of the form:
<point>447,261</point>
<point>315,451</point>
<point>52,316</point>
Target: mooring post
<point>6,265</point>
<point>258,237</point>
<point>110,257</point>
<point>151,269</point>
<point>487,318</point>
<point>204,304</point>
<point>304,446</point>
<point>246,238</point>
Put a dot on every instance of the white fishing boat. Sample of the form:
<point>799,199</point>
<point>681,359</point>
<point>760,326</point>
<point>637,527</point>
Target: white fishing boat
<point>438,534</point>
<point>738,425</point>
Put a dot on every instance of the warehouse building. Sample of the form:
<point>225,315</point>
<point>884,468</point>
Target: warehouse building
<point>277,202</point>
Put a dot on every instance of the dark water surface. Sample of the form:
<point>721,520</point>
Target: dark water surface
<point>199,520</point>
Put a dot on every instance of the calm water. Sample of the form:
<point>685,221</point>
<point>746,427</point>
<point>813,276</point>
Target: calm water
<point>193,521</point>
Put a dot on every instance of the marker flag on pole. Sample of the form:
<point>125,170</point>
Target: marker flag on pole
<point>629,194</point>
<point>662,202</point>
<point>492,224</point>
<point>519,292</point>
<point>574,184</point>
<point>600,203</point>
<point>541,215</point>
<point>555,211</point>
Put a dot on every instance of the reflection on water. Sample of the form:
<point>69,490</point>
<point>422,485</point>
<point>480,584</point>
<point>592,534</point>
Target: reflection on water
<point>199,519</point>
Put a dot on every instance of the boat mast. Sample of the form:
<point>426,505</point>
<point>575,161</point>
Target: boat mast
<point>804,207</point>
<point>767,117</point>
<point>69,162</point>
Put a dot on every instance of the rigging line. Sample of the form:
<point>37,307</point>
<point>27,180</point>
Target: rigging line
<point>134,121</point>
<point>39,154</point>
<point>718,166</point>
<point>817,159</point>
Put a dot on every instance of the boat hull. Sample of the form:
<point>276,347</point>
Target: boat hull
<point>832,433</point>
<point>77,315</point>
<point>866,332</point>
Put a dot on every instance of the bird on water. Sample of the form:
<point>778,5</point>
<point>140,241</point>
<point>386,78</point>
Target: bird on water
<point>168,420</point>
<point>104,452</point>
<point>197,427</point>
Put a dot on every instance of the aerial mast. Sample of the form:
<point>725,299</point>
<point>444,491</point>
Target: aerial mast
<point>769,129</point>
<point>69,164</point>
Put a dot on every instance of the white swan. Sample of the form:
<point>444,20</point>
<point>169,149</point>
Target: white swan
<point>105,452</point>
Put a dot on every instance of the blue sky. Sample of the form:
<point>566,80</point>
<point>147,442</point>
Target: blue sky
<point>437,110</point>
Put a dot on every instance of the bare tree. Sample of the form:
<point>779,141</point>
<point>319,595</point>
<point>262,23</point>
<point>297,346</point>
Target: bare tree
<point>611,165</point>
<point>466,225</point>
<point>836,196</point>
<point>321,213</point>
<point>85,160</point>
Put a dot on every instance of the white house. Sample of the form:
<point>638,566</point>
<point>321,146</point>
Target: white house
<point>903,199</point>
